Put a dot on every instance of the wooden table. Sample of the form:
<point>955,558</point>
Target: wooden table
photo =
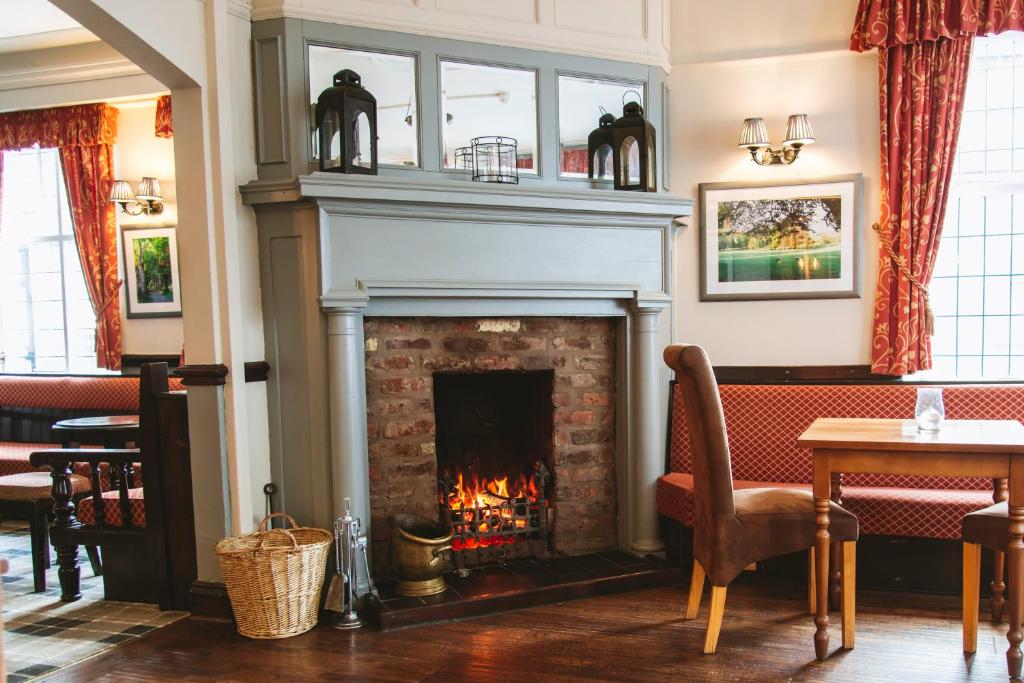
<point>108,431</point>
<point>962,448</point>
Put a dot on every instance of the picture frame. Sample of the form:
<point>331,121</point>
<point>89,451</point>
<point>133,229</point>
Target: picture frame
<point>151,277</point>
<point>781,240</point>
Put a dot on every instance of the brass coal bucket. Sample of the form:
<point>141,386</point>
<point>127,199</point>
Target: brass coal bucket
<point>419,554</point>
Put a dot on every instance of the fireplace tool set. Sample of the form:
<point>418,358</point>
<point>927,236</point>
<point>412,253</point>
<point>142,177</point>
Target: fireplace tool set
<point>349,545</point>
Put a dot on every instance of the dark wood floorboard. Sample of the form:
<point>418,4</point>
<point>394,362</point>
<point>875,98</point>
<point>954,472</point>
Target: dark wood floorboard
<point>639,636</point>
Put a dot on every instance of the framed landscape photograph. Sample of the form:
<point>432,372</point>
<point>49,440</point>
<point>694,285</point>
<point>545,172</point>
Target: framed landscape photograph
<point>151,272</point>
<point>780,241</point>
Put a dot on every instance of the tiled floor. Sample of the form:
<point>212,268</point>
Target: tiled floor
<point>43,634</point>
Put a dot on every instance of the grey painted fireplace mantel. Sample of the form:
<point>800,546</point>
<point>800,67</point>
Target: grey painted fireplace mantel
<point>336,248</point>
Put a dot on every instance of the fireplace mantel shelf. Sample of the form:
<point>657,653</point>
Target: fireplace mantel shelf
<point>526,196</point>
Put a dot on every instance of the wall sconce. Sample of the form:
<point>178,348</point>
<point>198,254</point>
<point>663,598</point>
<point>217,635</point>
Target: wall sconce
<point>754,137</point>
<point>148,199</point>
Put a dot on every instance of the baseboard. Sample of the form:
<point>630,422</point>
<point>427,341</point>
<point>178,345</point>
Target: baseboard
<point>209,599</point>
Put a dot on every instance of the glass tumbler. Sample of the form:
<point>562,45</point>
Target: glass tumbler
<point>929,412</point>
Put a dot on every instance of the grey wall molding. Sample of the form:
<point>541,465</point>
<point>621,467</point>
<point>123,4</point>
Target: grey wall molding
<point>280,57</point>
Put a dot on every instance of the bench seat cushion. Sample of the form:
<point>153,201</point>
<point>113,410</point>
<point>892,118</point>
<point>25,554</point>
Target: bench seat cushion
<point>882,511</point>
<point>112,509</point>
<point>925,513</point>
<point>14,456</point>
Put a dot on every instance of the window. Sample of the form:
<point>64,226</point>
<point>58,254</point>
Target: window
<point>977,290</point>
<point>46,319</point>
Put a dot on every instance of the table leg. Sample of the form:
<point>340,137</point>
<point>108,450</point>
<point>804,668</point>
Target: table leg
<point>998,585</point>
<point>836,561</point>
<point>1015,562</point>
<point>822,491</point>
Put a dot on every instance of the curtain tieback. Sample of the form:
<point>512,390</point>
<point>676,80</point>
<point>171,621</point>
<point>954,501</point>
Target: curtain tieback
<point>901,265</point>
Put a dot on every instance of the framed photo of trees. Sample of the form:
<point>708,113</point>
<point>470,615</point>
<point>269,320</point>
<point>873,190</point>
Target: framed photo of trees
<point>781,241</point>
<point>151,277</point>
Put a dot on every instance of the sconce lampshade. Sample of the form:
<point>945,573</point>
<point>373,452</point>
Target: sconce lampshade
<point>798,131</point>
<point>122,192</point>
<point>149,190</point>
<point>754,134</point>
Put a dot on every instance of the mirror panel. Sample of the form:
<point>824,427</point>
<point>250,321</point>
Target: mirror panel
<point>479,100</point>
<point>390,78</point>
<point>579,107</point>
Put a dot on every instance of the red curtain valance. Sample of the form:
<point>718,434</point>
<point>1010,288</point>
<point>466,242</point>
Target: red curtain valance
<point>78,125</point>
<point>886,23</point>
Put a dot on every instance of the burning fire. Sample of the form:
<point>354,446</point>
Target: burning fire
<point>489,505</point>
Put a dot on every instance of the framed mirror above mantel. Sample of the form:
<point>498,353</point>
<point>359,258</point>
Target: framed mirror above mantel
<point>434,92</point>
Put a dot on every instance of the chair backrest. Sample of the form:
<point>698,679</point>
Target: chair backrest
<point>712,470</point>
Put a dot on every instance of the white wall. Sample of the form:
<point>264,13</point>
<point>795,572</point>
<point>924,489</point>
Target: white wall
<point>627,30</point>
<point>772,58</point>
<point>139,152</point>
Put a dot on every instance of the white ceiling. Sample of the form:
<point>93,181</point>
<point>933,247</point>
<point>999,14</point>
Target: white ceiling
<point>36,24</point>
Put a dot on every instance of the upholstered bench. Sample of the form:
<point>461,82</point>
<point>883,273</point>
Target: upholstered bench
<point>764,421</point>
<point>31,404</point>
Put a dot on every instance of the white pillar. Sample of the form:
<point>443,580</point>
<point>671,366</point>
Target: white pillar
<point>347,385</point>
<point>648,447</point>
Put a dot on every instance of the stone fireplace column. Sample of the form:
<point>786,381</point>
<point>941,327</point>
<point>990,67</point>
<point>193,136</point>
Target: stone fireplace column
<point>347,386</point>
<point>647,439</point>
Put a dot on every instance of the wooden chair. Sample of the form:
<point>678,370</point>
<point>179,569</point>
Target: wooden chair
<point>990,528</point>
<point>27,496</point>
<point>733,529</point>
<point>146,557</point>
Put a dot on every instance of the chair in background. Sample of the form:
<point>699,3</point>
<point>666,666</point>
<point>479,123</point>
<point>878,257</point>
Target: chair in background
<point>146,533</point>
<point>734,529</point>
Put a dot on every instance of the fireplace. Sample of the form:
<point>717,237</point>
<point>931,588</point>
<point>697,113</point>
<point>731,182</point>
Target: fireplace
<point>494,448</point>
<point>503,427</point>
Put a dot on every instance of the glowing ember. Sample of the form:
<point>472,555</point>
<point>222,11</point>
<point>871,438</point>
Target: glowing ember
<point>489,506</point>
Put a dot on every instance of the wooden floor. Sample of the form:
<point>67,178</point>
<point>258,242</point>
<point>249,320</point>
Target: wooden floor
<point>639,636</point>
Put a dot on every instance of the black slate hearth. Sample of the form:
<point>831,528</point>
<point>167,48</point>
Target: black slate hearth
<point>523,583</point>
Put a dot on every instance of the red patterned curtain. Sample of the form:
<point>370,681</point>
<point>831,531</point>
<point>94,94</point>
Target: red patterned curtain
<point>85,136</point>
<point>574,160</point>
<point>164,127</point>
<point>924,49</point>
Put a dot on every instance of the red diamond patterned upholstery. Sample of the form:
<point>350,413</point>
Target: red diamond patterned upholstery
<point>925,513</point>
<point>112,509</point>
<point>73,393</point>
<point>14,456</point>
<point>764,422</point>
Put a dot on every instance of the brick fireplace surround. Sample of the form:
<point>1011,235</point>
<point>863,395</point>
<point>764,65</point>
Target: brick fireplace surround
<point>402,354</point>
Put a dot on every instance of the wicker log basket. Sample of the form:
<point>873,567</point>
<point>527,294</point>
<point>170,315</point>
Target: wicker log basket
<point>274,578</point>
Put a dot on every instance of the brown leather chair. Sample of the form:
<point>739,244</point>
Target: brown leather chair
<point>989,527</point>
<point>733,529</point>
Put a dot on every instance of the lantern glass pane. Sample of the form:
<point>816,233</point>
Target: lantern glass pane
<point>479,100</point>
<point>391,78</point>
<point>330,133</point>
<point>579,107</point>
<point>651,170</point>
<point>630,161</point>
<point>604,168</point>
<point>361,130</point>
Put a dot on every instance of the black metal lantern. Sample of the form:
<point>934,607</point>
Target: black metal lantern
<point>636,166</point>
<point>346,121</point>
<point>599,148</point>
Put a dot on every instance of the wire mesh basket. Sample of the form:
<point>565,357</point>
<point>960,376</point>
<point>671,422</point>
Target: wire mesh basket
<point>495,159</point>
